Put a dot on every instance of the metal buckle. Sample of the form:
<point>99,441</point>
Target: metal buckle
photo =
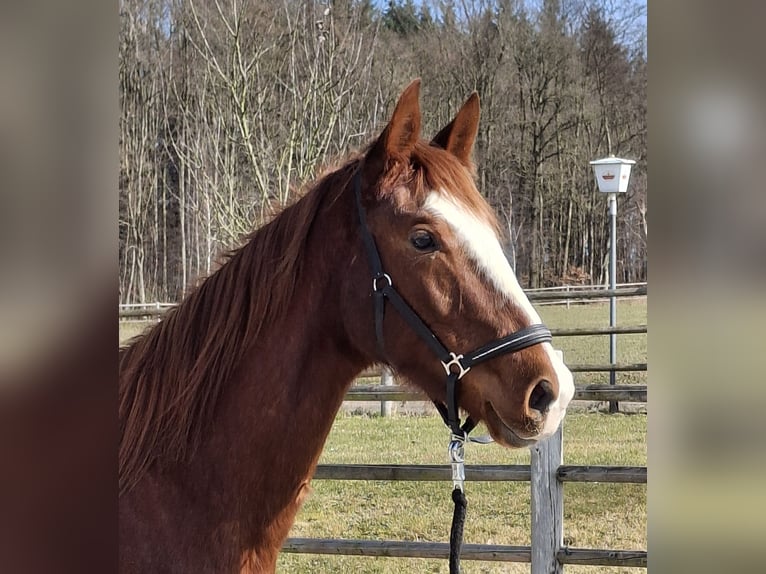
<point>455,361</point>
<point>375,280</point>
<point>457,460</point>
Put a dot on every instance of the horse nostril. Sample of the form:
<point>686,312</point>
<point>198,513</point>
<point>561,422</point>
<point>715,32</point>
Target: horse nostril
<point>541,396</point>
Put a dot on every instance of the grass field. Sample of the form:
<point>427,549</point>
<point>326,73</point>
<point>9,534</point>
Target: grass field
<point>596,515</point>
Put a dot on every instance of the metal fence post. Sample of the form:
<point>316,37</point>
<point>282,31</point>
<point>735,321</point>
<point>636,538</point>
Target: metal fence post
<point>614,406</point>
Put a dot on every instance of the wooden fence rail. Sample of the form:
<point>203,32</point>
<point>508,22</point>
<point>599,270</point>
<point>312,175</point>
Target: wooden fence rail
<point>405,549</point>
<point>375,393</point>
<point>377,371</point>
<point>589,294</point>
<point>440,550</point>
<point>422,472</point>
<point>597,557</point>
<point>149,310</point>
<point>478,473</point>
<point>625,330</point>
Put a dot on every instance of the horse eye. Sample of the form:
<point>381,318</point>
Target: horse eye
<point>423,241</point>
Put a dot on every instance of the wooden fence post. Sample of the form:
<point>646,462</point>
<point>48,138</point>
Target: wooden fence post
<point>387,379</point>
<point>547,505</point>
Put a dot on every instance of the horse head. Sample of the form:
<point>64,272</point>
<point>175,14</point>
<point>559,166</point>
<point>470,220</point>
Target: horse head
<point>438,245</point>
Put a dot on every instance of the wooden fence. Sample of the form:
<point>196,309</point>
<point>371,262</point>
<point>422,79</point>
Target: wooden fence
<point>546,472</point>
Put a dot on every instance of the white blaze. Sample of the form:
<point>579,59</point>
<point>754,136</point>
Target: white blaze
<point>483,247</point>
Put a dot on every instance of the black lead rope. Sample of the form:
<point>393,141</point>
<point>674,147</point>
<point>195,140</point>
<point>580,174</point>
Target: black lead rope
<point>455,366</point>
<point>456,531</point>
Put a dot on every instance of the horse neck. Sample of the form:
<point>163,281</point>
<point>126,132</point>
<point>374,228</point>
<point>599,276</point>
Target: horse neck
<point>277,411</point>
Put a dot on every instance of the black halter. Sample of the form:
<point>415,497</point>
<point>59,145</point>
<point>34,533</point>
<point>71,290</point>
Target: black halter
<point>455,365</point>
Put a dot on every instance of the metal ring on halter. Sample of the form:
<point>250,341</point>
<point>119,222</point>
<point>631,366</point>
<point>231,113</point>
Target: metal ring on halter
<point>456,360</point>
<point>375,279</point>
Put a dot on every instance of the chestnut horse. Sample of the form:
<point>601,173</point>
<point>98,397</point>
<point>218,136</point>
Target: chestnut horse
<point>225,404</point>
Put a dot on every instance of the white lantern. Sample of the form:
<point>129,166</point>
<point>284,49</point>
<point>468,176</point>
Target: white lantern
<point>612,174</point>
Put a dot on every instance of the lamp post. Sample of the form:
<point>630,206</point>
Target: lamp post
<point>612,176</point>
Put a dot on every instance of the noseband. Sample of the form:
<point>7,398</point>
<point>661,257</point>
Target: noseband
<point>455,367</point>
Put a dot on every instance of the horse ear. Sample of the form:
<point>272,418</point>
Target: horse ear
<point>458,136</point>
<point>403,130</point>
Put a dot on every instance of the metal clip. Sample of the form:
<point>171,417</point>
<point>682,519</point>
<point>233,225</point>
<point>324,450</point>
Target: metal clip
<point>456,456</point>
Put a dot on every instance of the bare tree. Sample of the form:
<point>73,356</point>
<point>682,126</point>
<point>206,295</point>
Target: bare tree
<point>227,106</point>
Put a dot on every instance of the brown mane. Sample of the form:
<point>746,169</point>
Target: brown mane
<point>172,376</point>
